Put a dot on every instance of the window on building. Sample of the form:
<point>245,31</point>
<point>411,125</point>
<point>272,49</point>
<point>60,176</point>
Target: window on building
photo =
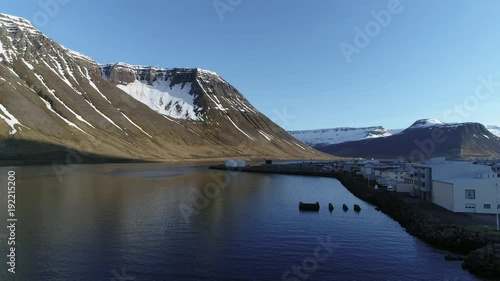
<point>470,194</point>
<point>487,206</point>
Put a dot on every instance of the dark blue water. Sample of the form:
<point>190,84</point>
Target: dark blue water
<point>146,222</point>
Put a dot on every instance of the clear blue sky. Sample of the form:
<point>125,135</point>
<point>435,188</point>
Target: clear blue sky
<point>285,56</point>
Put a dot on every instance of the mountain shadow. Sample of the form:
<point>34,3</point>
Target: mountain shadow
<point>15,152</point>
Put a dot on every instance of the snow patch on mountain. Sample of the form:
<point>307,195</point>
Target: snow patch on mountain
<point>301,147</point>
<point>338,135</point>
<point>2,52</point>
<point>5,54</point>
<point>29,65</point>
<point>92,84</point>
<point>9,119</point>
<point>14,24</point>
<point>77,55</point>
<point>52,92</point>
<point>238,128</point>
<point>174,101</point>
<point>395,131</point>
<point>71,124</point>
<point>212,97</point>
<point>104,116</point>
<point>423,123</point>
<point>137,126</point>
<point>268,137</point>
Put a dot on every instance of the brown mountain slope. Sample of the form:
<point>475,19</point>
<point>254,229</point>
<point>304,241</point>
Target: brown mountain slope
<point>52,95</point>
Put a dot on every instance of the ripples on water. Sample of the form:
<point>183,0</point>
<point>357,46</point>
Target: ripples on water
<point>123,221</point>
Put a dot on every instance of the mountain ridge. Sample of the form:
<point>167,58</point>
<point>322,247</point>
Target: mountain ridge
<point>460,141</point>
<point>338,135</point>
<point>321,136</point>
<point>54,95</point>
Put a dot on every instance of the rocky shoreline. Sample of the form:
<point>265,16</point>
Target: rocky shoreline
<point>480,254</point>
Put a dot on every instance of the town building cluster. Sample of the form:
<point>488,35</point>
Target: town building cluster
<point>459,186</point>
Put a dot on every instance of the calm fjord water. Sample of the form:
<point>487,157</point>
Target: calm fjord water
<point>118,222</point>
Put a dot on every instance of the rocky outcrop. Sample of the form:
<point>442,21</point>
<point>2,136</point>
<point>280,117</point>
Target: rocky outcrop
<point>119,73</point>
<point>122,73</point>
<point>484,261</point>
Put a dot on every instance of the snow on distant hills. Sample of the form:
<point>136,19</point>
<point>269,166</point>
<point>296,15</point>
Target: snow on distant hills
<point>347,134</point>
<point>338,135</point>
<point>460,141</point>
<point>494,130</point>
<point>394,131</point>
<point>423,123</point>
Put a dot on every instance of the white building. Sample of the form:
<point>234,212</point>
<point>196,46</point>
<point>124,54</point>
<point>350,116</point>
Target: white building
<point>396,175</point>
<point>231,163</point>
<point>437,169</point>
<point>396,178</point>
<point>473,194</point>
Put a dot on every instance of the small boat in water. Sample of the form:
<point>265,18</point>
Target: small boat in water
<point>309,206</point>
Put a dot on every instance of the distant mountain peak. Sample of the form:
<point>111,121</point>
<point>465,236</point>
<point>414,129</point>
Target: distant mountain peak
<point>206,72</point>
<point>429,122</point>
<point>462,141</point>
<point>15,24</point>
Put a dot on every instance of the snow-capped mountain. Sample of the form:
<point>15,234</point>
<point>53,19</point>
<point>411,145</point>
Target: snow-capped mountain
<point>338,135</point>
<point>425,123</point>
<point>425,138</point>
<point>394,131</point>
<point>54,99</point>
<point>156,88</point>
<point>494,130</point>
